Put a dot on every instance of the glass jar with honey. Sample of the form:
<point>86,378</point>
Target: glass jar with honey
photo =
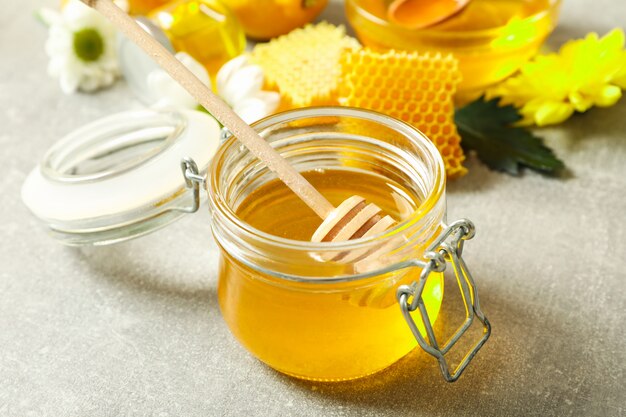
<point>490,38</point>
<point>322,311</point>
<point>205,29</point>
<point>282,298</point>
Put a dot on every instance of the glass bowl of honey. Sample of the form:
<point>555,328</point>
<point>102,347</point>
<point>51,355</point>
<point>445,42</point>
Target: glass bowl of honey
<point>490,38</point>
<point>314,310</point>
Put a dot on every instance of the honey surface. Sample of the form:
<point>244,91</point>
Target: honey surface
<point>329,331</point>
<point>275,209</point>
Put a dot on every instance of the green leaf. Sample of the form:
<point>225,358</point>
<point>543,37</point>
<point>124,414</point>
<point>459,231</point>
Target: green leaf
<point>487,128</point>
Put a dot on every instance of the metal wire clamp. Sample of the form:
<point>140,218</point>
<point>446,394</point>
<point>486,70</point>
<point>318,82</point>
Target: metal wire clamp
<point>193,180</point>
<point>447,248</point>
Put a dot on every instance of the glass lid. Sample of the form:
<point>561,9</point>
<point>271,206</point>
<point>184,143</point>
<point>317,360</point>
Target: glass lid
<point>119,177</point>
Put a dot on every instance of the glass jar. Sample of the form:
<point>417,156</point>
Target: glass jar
<point>315,319</point>
<point>266,19</point>
<point>326,311</point>
<point>142,7</point>
<point>491,38</point>
<point>205,29</point>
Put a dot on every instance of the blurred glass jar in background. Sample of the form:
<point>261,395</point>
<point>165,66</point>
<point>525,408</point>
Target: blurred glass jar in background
<point>142,7</point>
<point>205,29</point>
<point>265,19</point>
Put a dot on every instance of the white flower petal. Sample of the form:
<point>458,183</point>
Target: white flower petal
<point>243,83</point>
<point>69,82</point>
<point>89,84</point>
<point>252,109</point>
<point>56,66</point>
<point>167,89</point>
<point>72,72</point>
<point>77,15</point>
<point>227,70</point>
<point>49,16</point>
<point>271,99</point>
<point>172,93</point>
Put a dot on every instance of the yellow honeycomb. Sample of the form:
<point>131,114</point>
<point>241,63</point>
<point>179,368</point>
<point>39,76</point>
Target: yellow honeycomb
<point>415,88</point>
<point>304,65</point>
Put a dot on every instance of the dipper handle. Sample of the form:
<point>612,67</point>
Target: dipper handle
<point>218,108</point>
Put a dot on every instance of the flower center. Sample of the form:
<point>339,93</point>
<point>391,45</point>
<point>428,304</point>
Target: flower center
<point>88,44</point>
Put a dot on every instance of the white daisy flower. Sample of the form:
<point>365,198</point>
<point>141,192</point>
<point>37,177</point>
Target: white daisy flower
<point>81,47</point>
<point>167,92</point>
<point>240,84</point>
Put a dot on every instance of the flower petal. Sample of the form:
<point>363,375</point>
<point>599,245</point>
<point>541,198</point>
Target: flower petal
<point>243,83</point>
<point>168,90</point>
<point>252,109</point>
<point>585,72</point>
<point>608,96</point>
<point>227,70</point>
<point>553,112</point>
<point>172,93</point>
<point>78,16</point>
<point>613,40</point>
<point>580,102</point>
<point>620,78</point>
<point>271,99</point>
<point>69,82</point>
<point>49,16</point>
<point>73,73</point>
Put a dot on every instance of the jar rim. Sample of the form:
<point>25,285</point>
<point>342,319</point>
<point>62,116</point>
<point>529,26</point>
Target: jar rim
<point>218,200</point>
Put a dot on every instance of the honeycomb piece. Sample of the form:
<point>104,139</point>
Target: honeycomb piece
<point>415,88</point>
<point>303,66</point>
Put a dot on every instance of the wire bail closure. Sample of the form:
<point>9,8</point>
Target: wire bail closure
<point>193,180</point>
<point>447,248</point>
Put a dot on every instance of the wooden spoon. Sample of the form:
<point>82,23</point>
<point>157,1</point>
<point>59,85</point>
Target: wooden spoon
<point>420,14</point>
<point>351,219</point>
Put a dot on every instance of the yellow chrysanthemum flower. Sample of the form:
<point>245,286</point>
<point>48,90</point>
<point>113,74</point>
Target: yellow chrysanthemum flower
<point>586,72</point>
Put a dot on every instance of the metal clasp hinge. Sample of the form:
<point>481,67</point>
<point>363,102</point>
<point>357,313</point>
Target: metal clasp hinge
<point>193,180</point>
<point>447,248</point>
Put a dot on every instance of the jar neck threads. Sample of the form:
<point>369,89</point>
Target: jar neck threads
<point>327,139</point>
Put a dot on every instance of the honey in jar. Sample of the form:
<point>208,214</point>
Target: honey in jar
<point>280,295</point>
<point>364,317</point>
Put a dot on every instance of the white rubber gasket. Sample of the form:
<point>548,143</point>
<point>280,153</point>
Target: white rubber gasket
<point>57,196</point>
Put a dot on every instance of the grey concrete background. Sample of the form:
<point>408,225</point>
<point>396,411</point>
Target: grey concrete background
<point>135,329</point>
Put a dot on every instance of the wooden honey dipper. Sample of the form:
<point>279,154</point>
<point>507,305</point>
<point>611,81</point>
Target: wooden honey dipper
<point>352,219</point>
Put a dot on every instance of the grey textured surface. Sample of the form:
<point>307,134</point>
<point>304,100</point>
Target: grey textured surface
<point>135,329</point>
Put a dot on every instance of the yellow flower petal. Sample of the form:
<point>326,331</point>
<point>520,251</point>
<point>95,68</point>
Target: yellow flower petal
<point>580,102</point>
<point>613,40</point>
<point>553,112</point>
<point>619,79</point>
<point>608,96</point>
<point>585,72</point>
